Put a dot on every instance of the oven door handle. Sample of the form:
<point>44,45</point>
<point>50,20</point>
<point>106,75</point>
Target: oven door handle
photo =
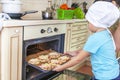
<point>56,75</point>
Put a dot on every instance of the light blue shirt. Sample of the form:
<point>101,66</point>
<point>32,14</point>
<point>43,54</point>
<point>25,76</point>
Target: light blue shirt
<point>103,56</point>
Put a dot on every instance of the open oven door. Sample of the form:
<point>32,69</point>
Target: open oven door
<point>31,72</point>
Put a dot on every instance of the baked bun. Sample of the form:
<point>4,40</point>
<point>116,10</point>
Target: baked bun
<point>54,61</point>
<point>34,61</point>
<point>53,55</point>
<point>46,66</point>
<point>63,59</point>
<point>43,58</point>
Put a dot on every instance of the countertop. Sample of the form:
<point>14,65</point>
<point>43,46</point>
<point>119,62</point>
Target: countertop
<point>12,23</point>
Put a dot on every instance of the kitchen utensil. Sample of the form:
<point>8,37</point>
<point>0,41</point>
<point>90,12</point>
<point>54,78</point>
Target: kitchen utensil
<point>19,15</point>
<point>75,5</point>
<point>84,7</point>
<point>47,14</point>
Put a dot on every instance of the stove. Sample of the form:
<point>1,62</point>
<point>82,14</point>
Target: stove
<point>39,38</point>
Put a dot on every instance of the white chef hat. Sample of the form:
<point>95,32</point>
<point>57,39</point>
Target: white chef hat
<point>103,14</point>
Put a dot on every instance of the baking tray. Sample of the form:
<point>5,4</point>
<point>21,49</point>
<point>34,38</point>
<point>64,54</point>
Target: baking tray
<point>38,74</point>
<point>38,68</point>
<point>36,55</point>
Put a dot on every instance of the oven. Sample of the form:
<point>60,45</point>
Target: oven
<point>39,38</point>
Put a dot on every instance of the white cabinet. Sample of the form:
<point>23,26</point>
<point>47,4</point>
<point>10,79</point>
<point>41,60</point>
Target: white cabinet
<point>76,36</point>
<point>11,53</point>
<point>11,41</point>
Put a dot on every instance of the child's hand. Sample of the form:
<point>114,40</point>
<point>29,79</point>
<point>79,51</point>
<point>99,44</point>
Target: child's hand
<point>58,68</point>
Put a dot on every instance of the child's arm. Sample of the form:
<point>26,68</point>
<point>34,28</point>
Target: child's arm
<point>73,53</point>
<point>82,55</point>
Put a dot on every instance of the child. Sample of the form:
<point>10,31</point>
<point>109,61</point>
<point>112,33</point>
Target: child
<point>100,45</point>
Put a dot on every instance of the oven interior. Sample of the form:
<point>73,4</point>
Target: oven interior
<point>31,72</point>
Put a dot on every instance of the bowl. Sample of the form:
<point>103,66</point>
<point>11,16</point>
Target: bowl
<point>11,6</point>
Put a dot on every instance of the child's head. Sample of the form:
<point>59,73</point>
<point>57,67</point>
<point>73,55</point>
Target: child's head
<point>102,14</point>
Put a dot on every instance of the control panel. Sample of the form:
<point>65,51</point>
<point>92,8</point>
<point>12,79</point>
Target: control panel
<point>37,31</point>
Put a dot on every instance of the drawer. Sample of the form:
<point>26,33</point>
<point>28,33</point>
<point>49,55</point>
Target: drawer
<point>78,39</point>
<point>79,35</point>
<point>76,47</point>
<point>77,42</point>
<point>79,32</point>
<point>79,27</point>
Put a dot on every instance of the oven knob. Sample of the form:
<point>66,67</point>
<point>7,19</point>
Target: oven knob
<point>42,31</point>
<point>49,30</point>
<point>56,29</point>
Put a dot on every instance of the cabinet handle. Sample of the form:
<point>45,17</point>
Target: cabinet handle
<point>17,31</point>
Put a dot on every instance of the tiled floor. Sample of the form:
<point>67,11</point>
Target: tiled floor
<point>86,70</point>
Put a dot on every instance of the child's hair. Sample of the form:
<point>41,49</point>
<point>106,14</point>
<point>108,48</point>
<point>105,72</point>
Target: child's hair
<point>117,1</point>
<point>104,0</point>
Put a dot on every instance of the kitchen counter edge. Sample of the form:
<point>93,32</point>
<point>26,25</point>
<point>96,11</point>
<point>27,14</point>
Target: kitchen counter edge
<point>12,23</point>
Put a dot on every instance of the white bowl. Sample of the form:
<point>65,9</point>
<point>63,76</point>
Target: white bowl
<point>11,6</point>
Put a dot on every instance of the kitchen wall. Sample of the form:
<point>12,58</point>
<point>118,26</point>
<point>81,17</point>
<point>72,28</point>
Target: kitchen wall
<point>40,5</point>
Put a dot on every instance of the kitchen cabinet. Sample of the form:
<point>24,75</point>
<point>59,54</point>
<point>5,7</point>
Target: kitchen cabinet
<point>60,77</point>
<point>11,43</point>
<point>11,53</point>
<point>76,35</point>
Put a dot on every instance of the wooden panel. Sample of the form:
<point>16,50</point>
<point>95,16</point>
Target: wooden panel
<point>14,58</point>
<point>78,39</point>
<point>67,44</point>
<point>11,53</point>
<point>15,44</point>
<point>79,27</point>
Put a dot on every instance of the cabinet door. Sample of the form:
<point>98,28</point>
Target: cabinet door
<point>79,35</point>
<point>67,38</point>
<point>60,77</point>
<point>76,36</point>
<point>11,53</point>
